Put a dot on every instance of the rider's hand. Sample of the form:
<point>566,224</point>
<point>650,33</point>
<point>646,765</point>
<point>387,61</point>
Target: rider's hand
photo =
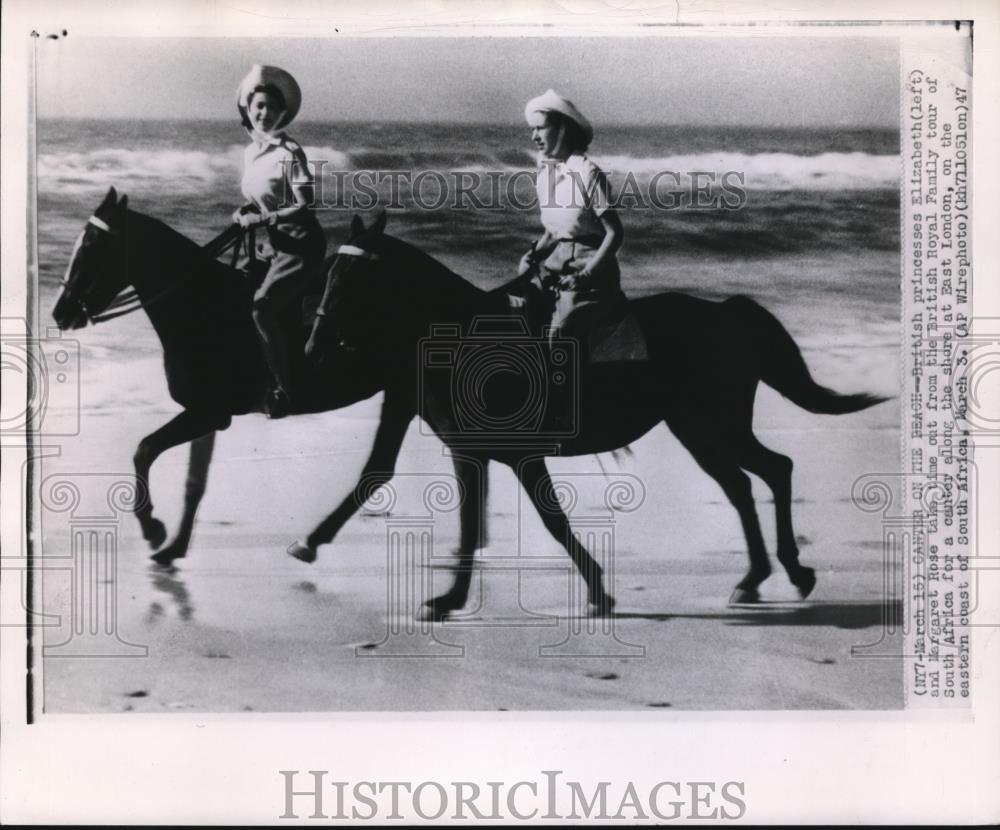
<point>242,210</point>
<point>250,220</point>
<point>569,282</point>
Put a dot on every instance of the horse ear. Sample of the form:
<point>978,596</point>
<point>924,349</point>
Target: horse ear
<point>123,203</point>
<point>379,225</point>
<point>357,226</point>
<point>109,200</point>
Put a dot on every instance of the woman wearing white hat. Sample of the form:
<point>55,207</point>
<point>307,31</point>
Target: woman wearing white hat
<point>278,185</point>
<point>574,259</point>
<point>582,232</point>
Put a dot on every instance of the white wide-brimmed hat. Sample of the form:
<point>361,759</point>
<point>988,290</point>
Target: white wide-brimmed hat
<point>552,101</point>
<point>261,77</point>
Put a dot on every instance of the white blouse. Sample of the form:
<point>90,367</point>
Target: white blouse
<point>273,172</point>
<point>572,195</point>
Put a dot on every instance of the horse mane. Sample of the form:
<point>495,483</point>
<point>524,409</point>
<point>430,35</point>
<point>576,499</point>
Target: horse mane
<point>413,262</point>
<point>177,247</point>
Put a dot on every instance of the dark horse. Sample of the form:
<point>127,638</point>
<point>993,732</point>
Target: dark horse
<point>705,360</point>
<point>201,310</point>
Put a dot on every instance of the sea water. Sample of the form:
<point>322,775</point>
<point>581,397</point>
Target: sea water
<point>814,234</point>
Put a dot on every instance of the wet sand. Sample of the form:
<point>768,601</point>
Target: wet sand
<point>240,626</point>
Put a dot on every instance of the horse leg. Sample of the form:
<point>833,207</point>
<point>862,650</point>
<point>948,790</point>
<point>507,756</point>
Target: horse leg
<point>187,426</point>
<point>378,470</point>
<point>534,478</point>
<point>719,461</point>
<point>776,471</point>
<point>194,488</point>
<point>473,476</point>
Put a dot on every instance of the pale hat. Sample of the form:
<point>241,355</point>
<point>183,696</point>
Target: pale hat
<point>270,76</point>
<point>552,101</point>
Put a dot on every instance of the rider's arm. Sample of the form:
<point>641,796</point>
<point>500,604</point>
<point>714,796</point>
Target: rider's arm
<point>614,235</point>
<point>303,192</point>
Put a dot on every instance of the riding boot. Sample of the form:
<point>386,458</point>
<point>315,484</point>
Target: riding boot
<point>278,403</point>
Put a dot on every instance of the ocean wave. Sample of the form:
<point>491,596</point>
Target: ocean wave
<point>187,169</point>
<point>200,170</point>
<point>772,171</point>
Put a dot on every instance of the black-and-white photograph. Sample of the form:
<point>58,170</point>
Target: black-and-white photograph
<point>540,411</point>
<point>468,373</point>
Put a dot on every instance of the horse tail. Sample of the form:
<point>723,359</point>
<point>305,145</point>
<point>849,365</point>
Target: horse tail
<point>783,369</point>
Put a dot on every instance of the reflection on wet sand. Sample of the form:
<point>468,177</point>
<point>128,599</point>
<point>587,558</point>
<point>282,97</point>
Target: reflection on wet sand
<point>170,582</point>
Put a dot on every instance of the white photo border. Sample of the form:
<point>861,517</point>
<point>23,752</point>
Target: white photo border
<point>903,767</point>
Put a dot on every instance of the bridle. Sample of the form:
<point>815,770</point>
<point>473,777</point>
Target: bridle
<point>127,300</point>
<point>352,251</point>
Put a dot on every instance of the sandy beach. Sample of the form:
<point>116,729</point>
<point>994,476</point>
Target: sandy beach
<point>240,626</point>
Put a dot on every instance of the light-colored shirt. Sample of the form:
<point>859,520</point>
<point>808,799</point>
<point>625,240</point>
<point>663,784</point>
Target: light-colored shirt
<point>272,172</point>
<point>572,195</point>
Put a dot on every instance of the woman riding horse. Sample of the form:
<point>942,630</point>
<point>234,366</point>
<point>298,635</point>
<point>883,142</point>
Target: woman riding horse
<point>268,99</point>
<point>582,232</point>
<point>574,259</point>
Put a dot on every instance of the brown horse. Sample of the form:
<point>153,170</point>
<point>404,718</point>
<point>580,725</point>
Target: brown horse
<point>397,306</point>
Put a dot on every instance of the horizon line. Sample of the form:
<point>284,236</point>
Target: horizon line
<point>465,123</point>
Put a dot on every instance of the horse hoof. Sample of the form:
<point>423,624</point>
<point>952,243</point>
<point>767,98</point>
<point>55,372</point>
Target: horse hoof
<point>302,551</point>
<point>745,596</point>
<point>154,532</point>
<point>438,609</point>
<point>427,613</point>
<point>165,558</point>
<point>603,607</point>
<point>806,582</point>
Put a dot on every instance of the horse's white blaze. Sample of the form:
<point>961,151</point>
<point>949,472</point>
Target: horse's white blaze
<point>354,250</point>
<point>69,268</point>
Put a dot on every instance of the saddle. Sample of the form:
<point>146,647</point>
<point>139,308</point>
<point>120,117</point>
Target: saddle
<point>617,338</point>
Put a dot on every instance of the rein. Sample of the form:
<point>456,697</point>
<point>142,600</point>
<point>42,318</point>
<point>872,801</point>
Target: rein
<point>128,299</point>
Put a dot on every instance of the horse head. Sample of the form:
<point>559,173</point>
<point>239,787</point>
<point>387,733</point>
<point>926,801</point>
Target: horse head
<point>95,274</point>
<point>355,284</point>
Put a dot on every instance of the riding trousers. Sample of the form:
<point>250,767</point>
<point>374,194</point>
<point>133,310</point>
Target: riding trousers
<point>299,248</point>
<point>583,305</point>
